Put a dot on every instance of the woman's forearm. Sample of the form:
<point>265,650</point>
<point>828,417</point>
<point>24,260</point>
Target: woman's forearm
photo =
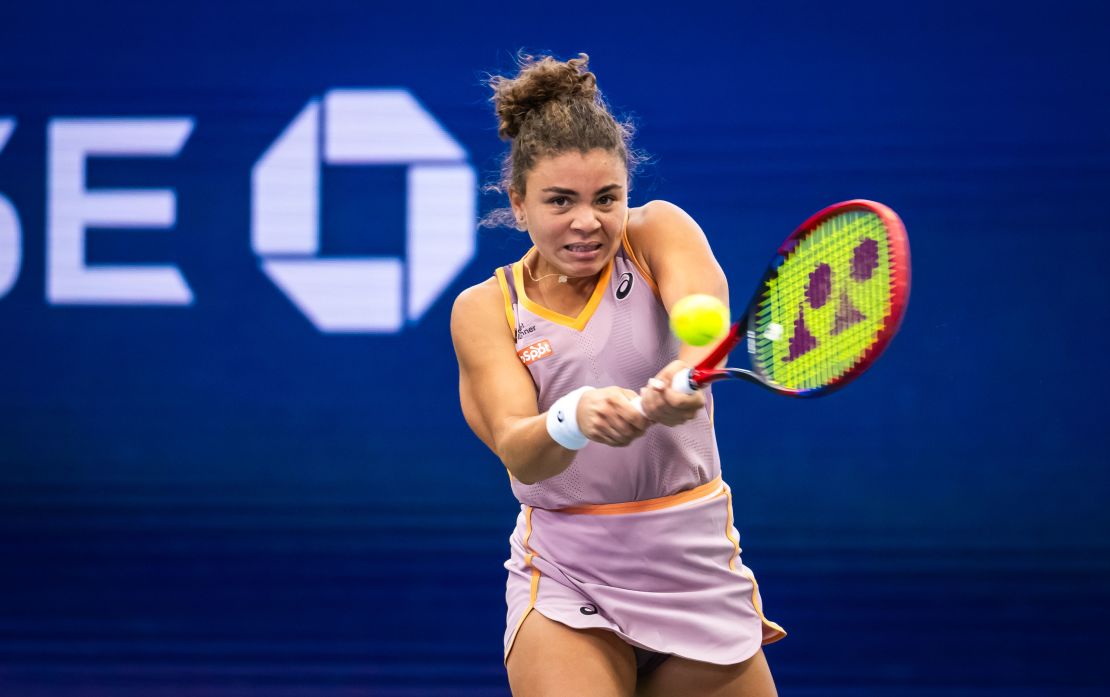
<point>529,453</point>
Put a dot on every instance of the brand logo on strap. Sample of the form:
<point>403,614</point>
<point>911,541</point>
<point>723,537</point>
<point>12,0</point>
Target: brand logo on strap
<point>625,286</point>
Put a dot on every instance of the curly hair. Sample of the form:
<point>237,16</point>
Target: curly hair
<point>552,107</point>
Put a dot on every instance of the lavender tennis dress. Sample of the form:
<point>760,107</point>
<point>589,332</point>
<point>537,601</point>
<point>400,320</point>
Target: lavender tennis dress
<point>636,540</point>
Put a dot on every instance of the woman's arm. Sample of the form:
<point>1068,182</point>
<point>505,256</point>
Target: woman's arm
<point>499,398</point>
<point>673,248</point>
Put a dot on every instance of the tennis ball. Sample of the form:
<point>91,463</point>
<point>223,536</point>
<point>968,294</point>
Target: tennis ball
<point>699,319</point>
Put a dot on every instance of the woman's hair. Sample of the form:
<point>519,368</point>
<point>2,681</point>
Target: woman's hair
<point>549,108</point>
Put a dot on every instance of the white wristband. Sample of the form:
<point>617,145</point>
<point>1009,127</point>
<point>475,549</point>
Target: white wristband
<point>562,420</point>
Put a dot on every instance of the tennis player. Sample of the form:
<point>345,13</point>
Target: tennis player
<point>625,574</point>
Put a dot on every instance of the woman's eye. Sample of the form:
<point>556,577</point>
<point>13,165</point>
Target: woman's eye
<point>558,201</point>
<point>606,200</point>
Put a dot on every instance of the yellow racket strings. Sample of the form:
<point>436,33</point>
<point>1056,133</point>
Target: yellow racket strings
<point>828,304</point>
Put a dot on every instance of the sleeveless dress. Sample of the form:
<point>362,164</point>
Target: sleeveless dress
<point>636,540</point>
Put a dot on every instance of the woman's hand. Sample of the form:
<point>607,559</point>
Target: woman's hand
<point>667,406</point>
<point>607,416</point>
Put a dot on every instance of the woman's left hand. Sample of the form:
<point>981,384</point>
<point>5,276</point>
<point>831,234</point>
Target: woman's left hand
<point>665,405</point>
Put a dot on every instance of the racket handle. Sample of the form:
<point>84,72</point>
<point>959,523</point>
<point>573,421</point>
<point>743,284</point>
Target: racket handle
<point>681,382</point>
<point>638,403</point>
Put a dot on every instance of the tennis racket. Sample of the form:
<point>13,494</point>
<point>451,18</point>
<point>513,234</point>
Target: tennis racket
<point>828,306</point>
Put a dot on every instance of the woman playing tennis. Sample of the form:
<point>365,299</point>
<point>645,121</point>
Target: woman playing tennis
<point>624,576</point>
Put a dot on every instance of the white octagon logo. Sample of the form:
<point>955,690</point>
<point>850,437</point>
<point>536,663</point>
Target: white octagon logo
<point>363,127</point>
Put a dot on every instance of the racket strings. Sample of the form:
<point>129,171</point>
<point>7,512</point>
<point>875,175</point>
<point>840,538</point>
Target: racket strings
<point>828,304</point>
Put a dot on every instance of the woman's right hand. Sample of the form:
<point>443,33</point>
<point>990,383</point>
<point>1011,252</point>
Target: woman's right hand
<point>608,416</point>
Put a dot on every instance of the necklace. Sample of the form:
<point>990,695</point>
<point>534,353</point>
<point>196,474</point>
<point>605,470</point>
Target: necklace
<point>562,276</point>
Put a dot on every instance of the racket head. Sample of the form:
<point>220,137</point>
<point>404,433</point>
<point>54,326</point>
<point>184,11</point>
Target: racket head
<point>831,301</point>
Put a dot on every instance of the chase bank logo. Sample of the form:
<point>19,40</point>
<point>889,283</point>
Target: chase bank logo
<point>363,128</point>
<point>367,127</point>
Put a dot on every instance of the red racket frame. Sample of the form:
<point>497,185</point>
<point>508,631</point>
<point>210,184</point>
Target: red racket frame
<point>707,371</point>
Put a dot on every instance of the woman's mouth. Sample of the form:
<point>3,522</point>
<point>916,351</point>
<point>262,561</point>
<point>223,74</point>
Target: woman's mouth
<point>583,250</point>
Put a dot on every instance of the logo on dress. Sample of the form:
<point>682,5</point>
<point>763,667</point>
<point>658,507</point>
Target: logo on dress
<point>625,286</point>
<point>534,352</point>
<point>521,330</point>
<point>588,610</point>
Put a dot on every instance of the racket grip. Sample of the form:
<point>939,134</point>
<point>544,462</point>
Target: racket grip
<point>681,382</point>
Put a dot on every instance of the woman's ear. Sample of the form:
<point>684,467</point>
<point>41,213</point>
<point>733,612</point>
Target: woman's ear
<point>517,202</point>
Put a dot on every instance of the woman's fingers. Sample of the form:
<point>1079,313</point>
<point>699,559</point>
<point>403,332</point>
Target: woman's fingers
<point>609,417</point>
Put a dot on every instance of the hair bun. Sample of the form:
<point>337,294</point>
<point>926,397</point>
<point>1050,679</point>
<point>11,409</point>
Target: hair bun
<point>540,81</point>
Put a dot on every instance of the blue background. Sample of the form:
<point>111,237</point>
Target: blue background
<point>221,500</point>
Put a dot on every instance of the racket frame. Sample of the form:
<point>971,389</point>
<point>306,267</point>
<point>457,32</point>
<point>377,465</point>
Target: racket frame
<point>706,371</point>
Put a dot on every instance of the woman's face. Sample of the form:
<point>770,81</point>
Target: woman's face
<point>574,210</point>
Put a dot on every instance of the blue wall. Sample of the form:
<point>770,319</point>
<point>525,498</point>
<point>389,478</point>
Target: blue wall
<point>219,497</point>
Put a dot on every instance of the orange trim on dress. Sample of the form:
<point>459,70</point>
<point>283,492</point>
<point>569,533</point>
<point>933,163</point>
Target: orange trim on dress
<point>627,244</point>
<point>755,586</point>
<point>528,556</point>
<point>500,274</point>
<point>699,492</point>
<point>576,323</point>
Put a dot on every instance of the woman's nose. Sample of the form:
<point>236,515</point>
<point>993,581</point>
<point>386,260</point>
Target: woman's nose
<point>586,220</point>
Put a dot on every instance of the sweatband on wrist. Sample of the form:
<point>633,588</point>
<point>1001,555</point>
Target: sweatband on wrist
<point>562,420</point>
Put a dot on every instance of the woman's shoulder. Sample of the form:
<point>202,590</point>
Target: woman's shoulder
<point>480,296</point>
<point>655,215</point>
<point>658,225</point>
<point>480,307</point>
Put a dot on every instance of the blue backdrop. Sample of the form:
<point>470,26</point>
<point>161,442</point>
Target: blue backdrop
<point>222,471</point>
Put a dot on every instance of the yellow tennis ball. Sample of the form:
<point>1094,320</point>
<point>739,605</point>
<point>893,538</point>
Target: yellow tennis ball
<point>699,319</point>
